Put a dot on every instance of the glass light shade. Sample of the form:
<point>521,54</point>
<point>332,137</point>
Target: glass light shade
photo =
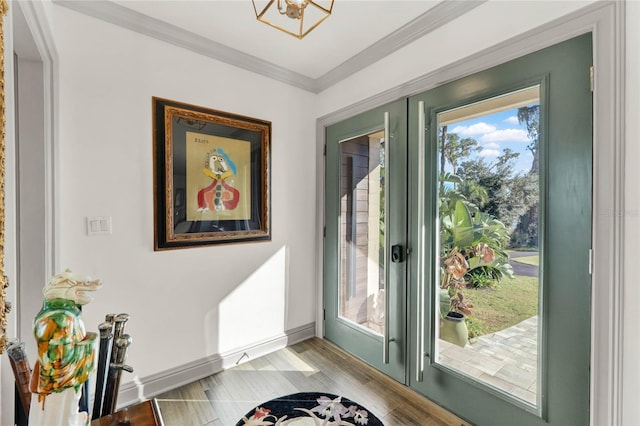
<point>295,17</point>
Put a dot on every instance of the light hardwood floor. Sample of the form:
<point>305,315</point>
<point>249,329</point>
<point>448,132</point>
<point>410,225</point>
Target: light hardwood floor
<point>314,365</point>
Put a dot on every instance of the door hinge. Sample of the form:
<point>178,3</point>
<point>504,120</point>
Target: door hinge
<point>590,261</point>
<point>324,315</point>
<point>325,149</point>
<point>591,83</point>
<point>324,232</point>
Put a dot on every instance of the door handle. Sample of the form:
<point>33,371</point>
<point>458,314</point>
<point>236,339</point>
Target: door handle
<point>420,276</point>
<point>387,293</point>
<point>398,254</point>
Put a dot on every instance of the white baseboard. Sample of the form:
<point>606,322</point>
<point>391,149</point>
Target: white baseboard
<point>156,384</point>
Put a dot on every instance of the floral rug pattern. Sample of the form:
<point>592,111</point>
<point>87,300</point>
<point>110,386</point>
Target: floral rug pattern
<point>312,409</point>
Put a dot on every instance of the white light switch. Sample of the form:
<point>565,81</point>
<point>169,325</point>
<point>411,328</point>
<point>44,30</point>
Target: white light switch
<point>99,225</point>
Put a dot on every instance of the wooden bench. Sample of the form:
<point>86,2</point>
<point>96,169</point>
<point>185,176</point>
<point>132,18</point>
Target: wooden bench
<point>144,413</point>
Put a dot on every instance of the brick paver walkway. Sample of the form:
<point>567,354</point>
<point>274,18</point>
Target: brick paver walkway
<point>506,360</point>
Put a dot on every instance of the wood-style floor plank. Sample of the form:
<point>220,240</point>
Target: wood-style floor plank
<point>190,398</point>
<point>314,365</point>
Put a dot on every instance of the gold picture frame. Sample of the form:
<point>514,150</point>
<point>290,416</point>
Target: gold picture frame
<point>211,176</point>
<point>5,307</point>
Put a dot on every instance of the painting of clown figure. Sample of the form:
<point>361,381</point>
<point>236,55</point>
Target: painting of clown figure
<point>219,189</point>
<point>219,195</point>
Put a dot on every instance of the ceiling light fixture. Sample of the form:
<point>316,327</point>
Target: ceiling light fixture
<point>295,17</point>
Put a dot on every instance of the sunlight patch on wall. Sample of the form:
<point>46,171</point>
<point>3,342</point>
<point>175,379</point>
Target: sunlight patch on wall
<point>253,311</point>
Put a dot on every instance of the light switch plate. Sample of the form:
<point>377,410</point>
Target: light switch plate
<point>99,225</point>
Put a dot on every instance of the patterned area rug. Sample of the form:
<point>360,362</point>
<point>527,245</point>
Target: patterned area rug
<point>310,408</point>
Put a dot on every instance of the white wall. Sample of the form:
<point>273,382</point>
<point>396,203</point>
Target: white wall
<point>185,305</point>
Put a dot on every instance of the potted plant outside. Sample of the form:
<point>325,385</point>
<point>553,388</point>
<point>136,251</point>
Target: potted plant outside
<point>466,242</point>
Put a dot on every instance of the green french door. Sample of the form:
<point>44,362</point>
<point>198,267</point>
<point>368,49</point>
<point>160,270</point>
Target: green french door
<point>478,295</point>
<point>365,243</point>
<point>501,188</point>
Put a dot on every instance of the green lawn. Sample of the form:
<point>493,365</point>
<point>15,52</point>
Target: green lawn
<point>513,300</point>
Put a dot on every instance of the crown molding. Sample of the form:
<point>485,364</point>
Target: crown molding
<point>108,11</point>
<point>434,18</point>
<point>135,21</point>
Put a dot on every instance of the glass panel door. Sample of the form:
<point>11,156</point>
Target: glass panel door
<point>501,219</point>
<point>488,252</point>
<point>365,248</point>
<point>362,240</point>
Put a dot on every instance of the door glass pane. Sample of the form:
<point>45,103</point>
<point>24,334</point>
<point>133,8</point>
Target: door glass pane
<point>487,309</point>
<point>361,234</point>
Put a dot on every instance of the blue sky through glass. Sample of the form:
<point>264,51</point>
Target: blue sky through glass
<point>494,133</point>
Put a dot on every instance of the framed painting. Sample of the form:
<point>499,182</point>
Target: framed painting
<point>211,176</point>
